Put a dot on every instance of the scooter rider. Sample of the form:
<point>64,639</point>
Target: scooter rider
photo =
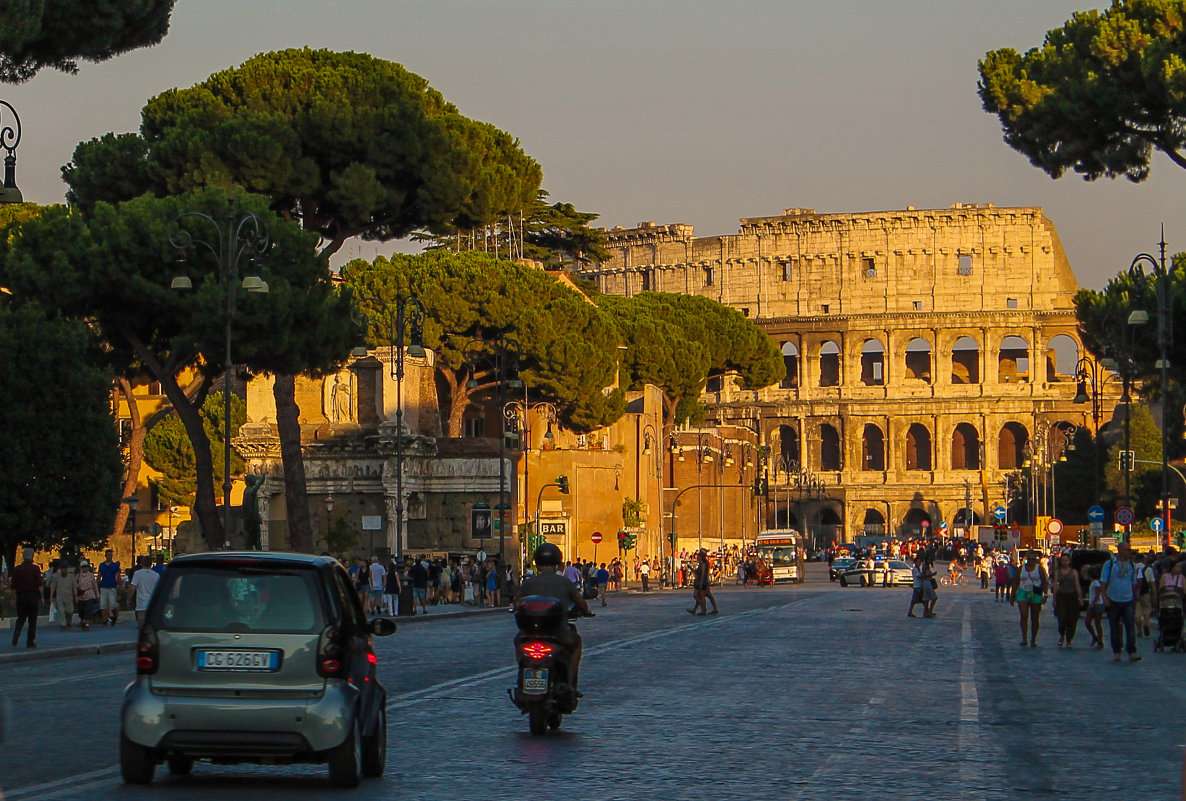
<point>548,582</point>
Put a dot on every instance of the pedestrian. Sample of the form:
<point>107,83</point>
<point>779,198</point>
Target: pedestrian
<point>491,584</point>
<point>917,574</point>
<point>1145,586</point>
<point>1001,579</point>
<point>25,581</point>
<point>644,575</point>
<point>418,575</point>
<point>1066,600</point>
<point>1030,589</point>
<point>1094,622</point>
<point>603,578</point>
<point>109,577</point>
<point>391,588</point>
<point>144,581</point>
<point>616,574</point>
<point>86,593</point>
<point>378,575</point>
<point>62,588</point>
<point>1119,579</point>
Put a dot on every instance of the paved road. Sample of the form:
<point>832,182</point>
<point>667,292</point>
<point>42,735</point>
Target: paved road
<point>805,692</point>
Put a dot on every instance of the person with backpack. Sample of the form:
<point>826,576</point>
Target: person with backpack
<point>1146,584</point>
<point>1119,580</point>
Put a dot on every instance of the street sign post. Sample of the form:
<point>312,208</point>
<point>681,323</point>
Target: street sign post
<point>1054,527</point>
<point>1124,516</point>
<point>999,512</point>
<point>1157,524</point>
<point>1095,514</point>
<point>596,538</point>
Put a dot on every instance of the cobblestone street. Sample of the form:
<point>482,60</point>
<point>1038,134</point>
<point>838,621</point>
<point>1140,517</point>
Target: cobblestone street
<point>806,692</point>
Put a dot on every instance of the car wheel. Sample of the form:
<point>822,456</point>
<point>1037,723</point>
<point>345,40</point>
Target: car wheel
<point>345,761</point>
<point>136,763</point>
<point>374,748</point>
<point>180,765</point>
<point>843,581</point>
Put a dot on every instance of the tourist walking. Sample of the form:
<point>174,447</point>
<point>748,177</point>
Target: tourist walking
<point>109,576</point>
<point>644,575</point>
<point>701,583</point>
<point>378,578</point>
<point>1119,579</point>
<point>1029,589</point>
<point>1066,600</point>
<point>25,581</point>
<point>144,581</point>
<point>603,579</point>
<point>86,593</point>
<point>62,588</point>
<point>1094,621</point>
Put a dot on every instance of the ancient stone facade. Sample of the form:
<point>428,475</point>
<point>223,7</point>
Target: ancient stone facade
<point>928,353</point>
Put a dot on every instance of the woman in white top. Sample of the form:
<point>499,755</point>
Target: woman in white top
<point>1030,587</point>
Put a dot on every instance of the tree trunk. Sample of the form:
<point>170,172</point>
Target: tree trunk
<point>135,454</point>
<point>458,402</point>
<point>205,508</point>
<point>288,427</point>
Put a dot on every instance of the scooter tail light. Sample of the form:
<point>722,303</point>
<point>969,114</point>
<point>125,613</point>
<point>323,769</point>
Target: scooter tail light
<point>537,650</point>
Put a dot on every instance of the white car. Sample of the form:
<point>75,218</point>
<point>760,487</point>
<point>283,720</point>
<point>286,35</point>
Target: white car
<point>892,572</point>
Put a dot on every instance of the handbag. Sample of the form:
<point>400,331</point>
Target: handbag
<point>934,583</point>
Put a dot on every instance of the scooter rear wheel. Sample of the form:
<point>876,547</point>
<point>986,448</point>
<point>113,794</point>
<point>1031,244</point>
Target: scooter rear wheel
<point>537,721</point>
<point>554,720</point>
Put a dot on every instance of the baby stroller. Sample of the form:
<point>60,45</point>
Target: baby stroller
<point>1169,620</point>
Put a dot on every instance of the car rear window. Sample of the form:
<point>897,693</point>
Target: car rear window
<point>238,599</point>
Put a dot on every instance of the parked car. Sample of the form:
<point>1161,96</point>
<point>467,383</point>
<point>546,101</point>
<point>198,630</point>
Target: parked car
<point>255,657</point>
<point>898,573</point>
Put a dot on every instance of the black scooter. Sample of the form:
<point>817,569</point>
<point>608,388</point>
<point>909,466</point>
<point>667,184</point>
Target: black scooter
<point>544,691</point>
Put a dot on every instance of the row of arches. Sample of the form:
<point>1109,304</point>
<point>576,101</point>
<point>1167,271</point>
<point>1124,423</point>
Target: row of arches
<point>918,363</point>
<point>965,450</point>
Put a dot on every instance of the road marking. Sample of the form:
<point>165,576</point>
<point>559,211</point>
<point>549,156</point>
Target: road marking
<point>971,772</point>
<point>55,787</point>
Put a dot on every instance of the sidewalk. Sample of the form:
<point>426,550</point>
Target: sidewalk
<point>53,643</point>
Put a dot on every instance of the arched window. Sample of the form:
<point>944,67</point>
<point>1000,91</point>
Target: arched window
<point>1011,446</point>
<point>918,360</point>
<point>912,523</point>
<point>918,447</point>
<point>965,448</point>
<point>788,446</point>
<point>790,360</point>
<point>829,364</point>
<point>872,363</point>
<point>829,447</point>
<point>1062,356</point>
<point>873,445</point>
<point>874,523</point>
<point>965,361</point>
<point>1013,363</point>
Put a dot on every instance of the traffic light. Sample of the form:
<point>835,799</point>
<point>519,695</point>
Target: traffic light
<point>621,540</point>
<point>1127,460</point>
<point>764,486</point>
<point>1180,539</point>
<point>629,542</point>
<point>562,483</point>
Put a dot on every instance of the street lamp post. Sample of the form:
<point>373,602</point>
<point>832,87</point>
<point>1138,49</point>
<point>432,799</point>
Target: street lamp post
<point>403,314</point>
<point>238,237</point>
<point>505,376</point>
<point>512,411</point>
<point>1164,340</point>
<point>10,137</point>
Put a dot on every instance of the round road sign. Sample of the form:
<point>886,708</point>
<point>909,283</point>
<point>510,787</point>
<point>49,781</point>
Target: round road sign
<point>999,512</point>
<point>1096,514</point>
<point>1157,524</point>
<point>1124,515</point>
<point>596,537</point>
<point>1054,526</point>
<point>925,523</point>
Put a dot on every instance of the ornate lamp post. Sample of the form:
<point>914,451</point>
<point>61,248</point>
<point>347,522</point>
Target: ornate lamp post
<point>238,237</point>
<point>405,314</point>
<point>513,411</point>
<point>10,137</point>
<point>506,375</point>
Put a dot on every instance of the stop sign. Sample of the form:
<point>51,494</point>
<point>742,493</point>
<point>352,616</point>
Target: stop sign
<point>596,537</point>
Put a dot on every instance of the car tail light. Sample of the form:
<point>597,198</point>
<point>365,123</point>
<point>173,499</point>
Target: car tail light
<point>537,650</point>
<point>374,660</point>
<point>329,653</point>
<point>147,652</point>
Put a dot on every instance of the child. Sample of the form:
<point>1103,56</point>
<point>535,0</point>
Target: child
<point>1001,578</point>
<point>1095,607</point>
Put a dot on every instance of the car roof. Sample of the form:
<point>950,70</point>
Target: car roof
<point>264,559</point>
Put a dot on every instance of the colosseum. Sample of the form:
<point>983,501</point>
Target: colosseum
<point>929,352</point>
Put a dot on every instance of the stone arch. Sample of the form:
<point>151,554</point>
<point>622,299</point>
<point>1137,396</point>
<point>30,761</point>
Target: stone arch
<point>965,361</point>
<point>912,522</point>
<point>1013,360</point>
<point>1011,445</point>
<point>918,447</point>
<point>872,363</point>
<point>872,448</point>
<point>788,445</point>
<point>918,360</point>
<point>874,523</point>
<point>965,447</point>
<point>786,518</point>
<point>829,364</point>
<point>1062,358</point>
<point>829,448</point>
<point>790,360</point>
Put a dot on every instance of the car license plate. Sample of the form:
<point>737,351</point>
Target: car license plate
<point>238,660</point>
<point>535,681</point>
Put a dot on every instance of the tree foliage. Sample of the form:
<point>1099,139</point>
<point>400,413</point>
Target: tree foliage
<point>344,143</point>
<point>568,345</point>
<point>1145,479</point>
<point>60,465</point>
<point>1101,93</point>
<point>37,34</point>
<point>678,341</point>
<point>114,266</point>
<point>168,450</point>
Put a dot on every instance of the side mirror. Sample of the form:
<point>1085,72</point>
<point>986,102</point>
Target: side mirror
<point>382,626</point>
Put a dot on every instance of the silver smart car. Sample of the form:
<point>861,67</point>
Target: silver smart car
<point>257,657</point>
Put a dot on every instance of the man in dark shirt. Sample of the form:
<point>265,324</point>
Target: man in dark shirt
<point>26,583</point>
<point>548,582</point>
<point>418,574</point>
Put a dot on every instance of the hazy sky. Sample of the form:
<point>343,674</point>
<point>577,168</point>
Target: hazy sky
<point>671,110</point>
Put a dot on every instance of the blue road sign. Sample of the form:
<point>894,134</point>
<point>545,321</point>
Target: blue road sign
<point>1096,514</point>
<point>1157,524</point>
<point>1124,516</point>
<point>999,513</point>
